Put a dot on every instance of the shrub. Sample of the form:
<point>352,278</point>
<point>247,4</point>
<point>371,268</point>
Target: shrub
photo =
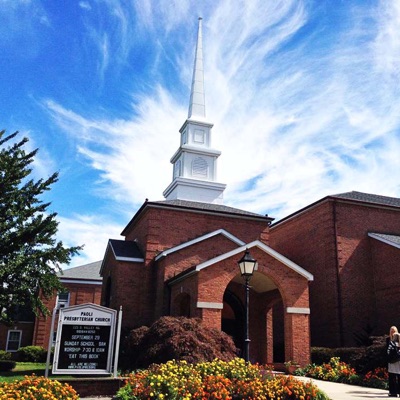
<point>7,365</point>
<point>32,354</point>
<point>177,338</point>
<point>38,388</point>
<point>218,379</point>
<point>334,371</point>
<point>363,359</point>
<point>321,355</point>
<point>5,355</point>
<point>378,378</point>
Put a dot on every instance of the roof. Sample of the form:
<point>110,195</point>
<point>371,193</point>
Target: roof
<point>126,250</point>
<point>83,272</point>
<point>196,206</point>
<point>392,240</point>
<point>369,198</point>
<point>353,196</point>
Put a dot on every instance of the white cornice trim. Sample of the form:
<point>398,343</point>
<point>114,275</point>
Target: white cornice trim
<point>262,246</point>
<point>185,148</point>
<point>81,281</point>
<point>130,259</point>
<point>298,310</point>
<point>206,304</point>
<point>383,240</point>
<point>200,239</point>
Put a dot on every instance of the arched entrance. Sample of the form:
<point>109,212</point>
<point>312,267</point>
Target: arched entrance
<point>266,320</point>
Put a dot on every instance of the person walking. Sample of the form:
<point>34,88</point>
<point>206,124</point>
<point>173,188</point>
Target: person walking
<point>393,343</point>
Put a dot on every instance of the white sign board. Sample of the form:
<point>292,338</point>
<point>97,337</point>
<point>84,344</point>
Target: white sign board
<point>85,340</point>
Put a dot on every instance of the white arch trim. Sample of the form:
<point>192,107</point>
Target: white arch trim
<point>200,239</point>
<point>262,246</point>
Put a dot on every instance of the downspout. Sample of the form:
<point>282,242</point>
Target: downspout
<point>338,284</point>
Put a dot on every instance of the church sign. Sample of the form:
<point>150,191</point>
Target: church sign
<point>85,340</point>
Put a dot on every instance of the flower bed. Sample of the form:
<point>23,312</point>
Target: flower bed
<point>37,388</point>
<point>215,380</point>
<point>338,371</point>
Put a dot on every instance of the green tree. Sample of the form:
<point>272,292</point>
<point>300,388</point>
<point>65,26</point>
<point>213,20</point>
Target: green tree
<point>30,255</point>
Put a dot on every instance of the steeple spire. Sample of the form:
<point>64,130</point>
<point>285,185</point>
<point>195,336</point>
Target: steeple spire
<point>195,162</point>
<point>197,106</point>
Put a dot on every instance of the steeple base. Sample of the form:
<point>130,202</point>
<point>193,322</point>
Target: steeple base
<point>195,190</point>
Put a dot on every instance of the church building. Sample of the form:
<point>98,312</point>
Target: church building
<point>180,255</point>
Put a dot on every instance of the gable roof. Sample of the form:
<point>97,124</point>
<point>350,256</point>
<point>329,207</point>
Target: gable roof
<point>123,250</point>
<point>256,243</point>
<point>353,197</point>
<point>200,239</point>
<point>194,206</point>
<point>392,240</point>
<point>87,272</point>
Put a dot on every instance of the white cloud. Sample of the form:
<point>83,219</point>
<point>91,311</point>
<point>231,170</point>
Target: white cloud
<point>295,121</point>
<point>92,231</point>
<point>85,5</point>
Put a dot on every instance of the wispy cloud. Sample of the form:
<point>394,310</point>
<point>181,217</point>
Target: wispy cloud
<point>91,231</point>
<point>304,100</point>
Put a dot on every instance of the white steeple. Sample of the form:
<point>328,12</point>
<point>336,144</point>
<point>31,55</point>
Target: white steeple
<point>195,162</point>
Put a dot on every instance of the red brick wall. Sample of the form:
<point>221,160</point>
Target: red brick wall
<point>79,294</point>
<point>26,336</point>
<point>386,261</point>
<point>309,241</point>
<point>159,229</point>
<point>330,241</point>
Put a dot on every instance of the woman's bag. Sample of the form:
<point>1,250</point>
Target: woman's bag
<point>393,352</point>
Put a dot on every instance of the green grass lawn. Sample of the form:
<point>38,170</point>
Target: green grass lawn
<point>27,368</point>
<point>22,369</point>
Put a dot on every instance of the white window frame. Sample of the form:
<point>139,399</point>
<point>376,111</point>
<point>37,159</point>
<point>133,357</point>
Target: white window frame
<point>64,302</point>
<point>8,339</point>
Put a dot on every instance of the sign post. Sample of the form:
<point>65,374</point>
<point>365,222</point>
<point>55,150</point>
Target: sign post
<point>85,340</point>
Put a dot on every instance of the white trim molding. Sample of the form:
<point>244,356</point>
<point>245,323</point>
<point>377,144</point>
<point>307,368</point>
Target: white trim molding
<point>298,310</point>
<point>223,232</point>
<point>206,304</point>
<point>385,238</point>
<point>262,246</point>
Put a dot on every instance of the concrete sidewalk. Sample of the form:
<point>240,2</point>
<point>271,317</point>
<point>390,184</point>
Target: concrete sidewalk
<point>341,391</point>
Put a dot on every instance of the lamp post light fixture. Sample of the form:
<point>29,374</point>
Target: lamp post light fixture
<point>247,265</point>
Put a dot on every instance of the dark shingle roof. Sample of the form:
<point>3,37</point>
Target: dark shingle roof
<point>206,207</point>
<point>125,249</point>
<point>88,271</point>
<point>369,198</point>
<point>357,197</point>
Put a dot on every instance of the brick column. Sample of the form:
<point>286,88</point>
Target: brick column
<point>297,335</point>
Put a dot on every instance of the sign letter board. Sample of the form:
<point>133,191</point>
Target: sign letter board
<point>85,340</point>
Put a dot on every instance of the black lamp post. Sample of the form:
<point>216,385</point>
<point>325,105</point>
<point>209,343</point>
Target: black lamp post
<point>247,265</point>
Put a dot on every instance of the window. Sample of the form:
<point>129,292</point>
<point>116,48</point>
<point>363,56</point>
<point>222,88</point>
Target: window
<point>13,340</point>
<point>63,300</point>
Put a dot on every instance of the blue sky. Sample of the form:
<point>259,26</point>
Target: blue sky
<point>304,97</point>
